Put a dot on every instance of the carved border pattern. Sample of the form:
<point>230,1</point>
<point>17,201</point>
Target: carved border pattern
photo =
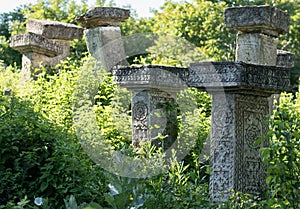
<point>251,112</point>
<point>222,146</point>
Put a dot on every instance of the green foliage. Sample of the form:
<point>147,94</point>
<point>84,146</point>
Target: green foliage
<point>39,150</point>
<point>283,155</point>
<point>8,22</point>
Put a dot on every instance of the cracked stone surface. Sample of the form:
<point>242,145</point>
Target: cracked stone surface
<point>54,29</point>
<point>103,16</point>
<point>265,19</point>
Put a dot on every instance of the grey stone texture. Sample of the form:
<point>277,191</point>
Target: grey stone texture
<point>266,19</point>
<point>238,76</point>
<point>285,59</point>
<point>30,42</point>
<point>256,48</point>
<point>103,16</point>
<point>106,45</point>
<point>54,29</point>
<point>166,78</point>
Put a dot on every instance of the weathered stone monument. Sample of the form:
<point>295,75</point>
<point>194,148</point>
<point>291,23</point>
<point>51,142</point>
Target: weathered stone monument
<point>241,98</point>
<point>46,43</point>
<point>103,34</point>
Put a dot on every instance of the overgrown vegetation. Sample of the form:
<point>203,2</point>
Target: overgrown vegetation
<point>43,160</point>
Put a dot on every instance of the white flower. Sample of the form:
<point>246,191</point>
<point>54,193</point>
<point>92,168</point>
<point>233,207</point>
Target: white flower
<point>38,201</point>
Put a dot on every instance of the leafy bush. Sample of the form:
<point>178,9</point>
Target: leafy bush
<point>283,154</point>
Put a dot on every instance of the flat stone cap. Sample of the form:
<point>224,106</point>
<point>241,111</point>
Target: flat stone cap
<point>239,75</point>
<point>103,16</point>
<point>54,29</point>
<point>30,42</point>
<point>166,78</point>
<point>257,18</point>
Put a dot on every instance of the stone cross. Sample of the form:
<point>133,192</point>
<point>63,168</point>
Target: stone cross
<point>241,98</point>
<point>103,34</point>
<point>46,42</point>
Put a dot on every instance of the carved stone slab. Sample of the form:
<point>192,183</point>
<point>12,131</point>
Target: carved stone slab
<point>54,30</point>
<point>240,75</point>
<point>30,42</point>
<point>166,78</point>
<point>103,16</point>
<point>266,19</point>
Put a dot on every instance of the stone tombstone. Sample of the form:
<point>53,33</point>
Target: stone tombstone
<point>242,98</point>
<point>46,42</point>
<point>153,90</point>
<point>103,34</point>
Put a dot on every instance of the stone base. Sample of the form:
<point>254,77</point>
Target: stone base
<point>256,48</point>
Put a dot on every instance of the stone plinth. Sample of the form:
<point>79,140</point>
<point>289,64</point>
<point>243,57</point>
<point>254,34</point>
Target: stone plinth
<point>103,34</point>
<point>154,91</point>
<point>103,16</point>
<point>31,42</point>
<point>259,28</point>
<point>265,19</point>
<point>241,95</point>
<point>54,30</point>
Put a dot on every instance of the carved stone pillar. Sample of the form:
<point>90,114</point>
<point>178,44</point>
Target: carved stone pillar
<point>241,99</point>
<point>241,95</point>
<point>153,91</point>
<point>47,43</point>
<point>103,34</point>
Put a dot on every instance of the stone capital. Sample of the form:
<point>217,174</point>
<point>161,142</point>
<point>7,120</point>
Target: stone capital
<point>30,42</point>
<point>103,16</point>
<point>239,76</point>
<point>165,78</point>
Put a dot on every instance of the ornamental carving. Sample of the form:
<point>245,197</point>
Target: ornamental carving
<point>140,111</point>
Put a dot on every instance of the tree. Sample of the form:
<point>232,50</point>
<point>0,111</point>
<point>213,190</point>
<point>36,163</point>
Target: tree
<point>8,22</point>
